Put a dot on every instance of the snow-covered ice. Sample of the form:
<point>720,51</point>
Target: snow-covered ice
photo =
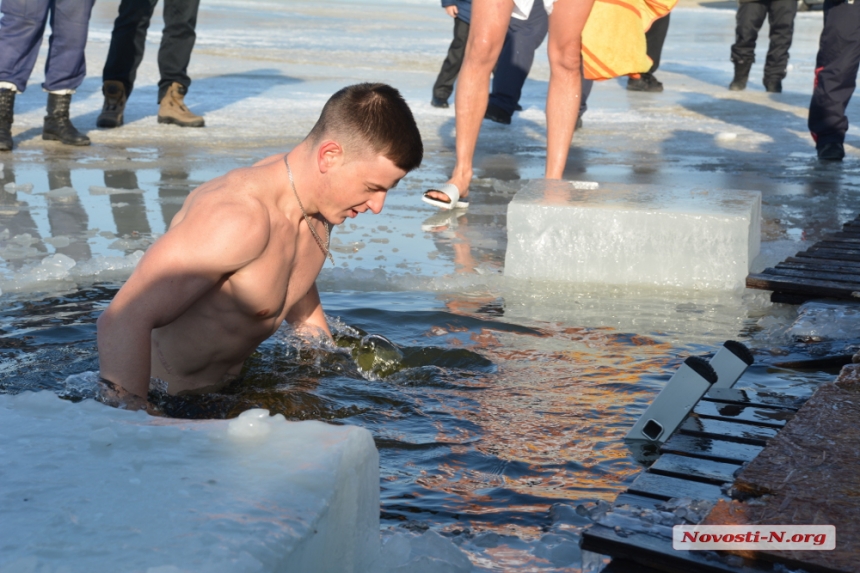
<point>635,235</point>
<point>85,487</point>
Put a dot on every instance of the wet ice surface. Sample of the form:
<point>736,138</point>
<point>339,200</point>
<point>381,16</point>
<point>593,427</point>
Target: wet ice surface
<point>511,396</point>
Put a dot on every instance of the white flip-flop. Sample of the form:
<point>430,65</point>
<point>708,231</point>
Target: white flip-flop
<point>449,190</point>
<point>441,222</point>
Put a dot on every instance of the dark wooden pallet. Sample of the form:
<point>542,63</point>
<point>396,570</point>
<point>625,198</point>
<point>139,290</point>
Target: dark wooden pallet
<point>828,269</point>
<point>726,429</point>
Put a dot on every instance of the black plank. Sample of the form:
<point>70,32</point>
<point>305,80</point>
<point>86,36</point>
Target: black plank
<point>796,299</point>
<point>634,500</point>
<point>815,275</point>
<point>824,262</point>
<point>768,417</point>
<point>843,237</point>
<point>816,268</point>
<point>666,487</point>
<point>752,397</point>
<point>823,363</point>
<point>730,431</point>
<point>651,551</point>
<point>684,466</point>
<point>627,566</point>
<point>815,288</point>
<point>710,449</point>
<point>838,255</point>
<point>837,245</point>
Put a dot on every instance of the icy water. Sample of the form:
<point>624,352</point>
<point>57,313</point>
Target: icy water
<point>497,406</point>
<point>493,403</point>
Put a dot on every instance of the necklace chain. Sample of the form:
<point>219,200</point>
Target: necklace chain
<point>323,247</point>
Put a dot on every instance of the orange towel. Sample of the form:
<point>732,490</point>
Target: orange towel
<point>613,41</point>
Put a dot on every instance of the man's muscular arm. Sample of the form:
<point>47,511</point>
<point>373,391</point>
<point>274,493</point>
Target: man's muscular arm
<point>309,312</point>
<point>214,238</point>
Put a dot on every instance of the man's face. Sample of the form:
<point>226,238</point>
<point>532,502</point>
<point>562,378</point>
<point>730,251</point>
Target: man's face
<point>360,184</point>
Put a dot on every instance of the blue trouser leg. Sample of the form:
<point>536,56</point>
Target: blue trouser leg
<point>518,54</point>
<point>177,42</point>
<point>66,66</point>
<point>835,72</point>
<point>21,30</point>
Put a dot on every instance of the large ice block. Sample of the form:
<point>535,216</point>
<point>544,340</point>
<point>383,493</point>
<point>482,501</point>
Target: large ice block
<point>85,487</point>
<point>633,235</point>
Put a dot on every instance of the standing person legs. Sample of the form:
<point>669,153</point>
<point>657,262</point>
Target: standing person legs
<point>489,23</point>
<point>780,17</point>
<point>65,67</point>
<point>749,19</point>
<point>21,29</point>
<point>444,86</point>
<point>515,62</point>
<point>836,69</point>
<point>565,84</point>
<point>127,44</point>
<point>654,39</point>
<point>174,55</point>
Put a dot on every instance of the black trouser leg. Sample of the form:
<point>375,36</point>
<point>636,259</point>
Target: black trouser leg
<point>177,42</point>
<point>654,39</point>
<point>749,20</point>
<point>127,42</point>
<point>517,56</point>
<point>451,66</point>
<point>835,72</point>
<point>780,17</point>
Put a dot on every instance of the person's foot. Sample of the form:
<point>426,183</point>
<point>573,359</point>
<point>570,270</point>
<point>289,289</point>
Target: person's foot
<point>644,83</point>
<point>7,107</point>
<point>742,72</point>
<point>58,126</point>
<point>833,151</point>
<point>497,114</point>
<point>114,106</point>
<point>172,108</point>
<point>439,102</point>
<point>459,179</point>
<point>773,86</point>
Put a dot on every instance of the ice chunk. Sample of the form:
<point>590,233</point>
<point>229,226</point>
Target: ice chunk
<point>633,235</point>
<point>16,187</point>
<point>98,190</point>
<point>86,487</point>
<point>827,321</point>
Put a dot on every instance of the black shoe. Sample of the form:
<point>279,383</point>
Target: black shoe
<point>742,74</point>
<point>439,102</point>
<point>773,86</point>
<point>831,152</point>
<point>497,114</point>
<point>578,123</point>
<point>644,83</point>
<point>7,108</point>
<point>58,126</point>
<point>114,106</point>
<point>518,107</point>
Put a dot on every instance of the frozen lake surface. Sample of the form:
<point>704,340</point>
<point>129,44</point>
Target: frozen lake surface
<point>509,399</point>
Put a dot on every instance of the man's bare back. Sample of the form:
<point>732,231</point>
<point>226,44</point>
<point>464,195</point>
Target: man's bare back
<point>238,259</point>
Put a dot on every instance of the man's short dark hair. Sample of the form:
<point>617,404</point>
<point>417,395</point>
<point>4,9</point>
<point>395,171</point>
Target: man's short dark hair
<point>374,115</point>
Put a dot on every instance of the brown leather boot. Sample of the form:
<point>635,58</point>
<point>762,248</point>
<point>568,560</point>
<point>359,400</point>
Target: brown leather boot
<point>173,110</point>
<point>114,106</point>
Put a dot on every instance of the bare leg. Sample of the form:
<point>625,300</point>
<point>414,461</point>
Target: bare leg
<point>489,23</point>
<point>565,81</point>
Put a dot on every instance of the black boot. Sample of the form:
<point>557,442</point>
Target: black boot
<point>58,126</point>
<point>742,74</point>
<point>7,108</point>
<point>773,85</point>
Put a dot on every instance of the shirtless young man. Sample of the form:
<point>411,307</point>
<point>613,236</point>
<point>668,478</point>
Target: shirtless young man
<point>243,253</point>
<point>489,24</point>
